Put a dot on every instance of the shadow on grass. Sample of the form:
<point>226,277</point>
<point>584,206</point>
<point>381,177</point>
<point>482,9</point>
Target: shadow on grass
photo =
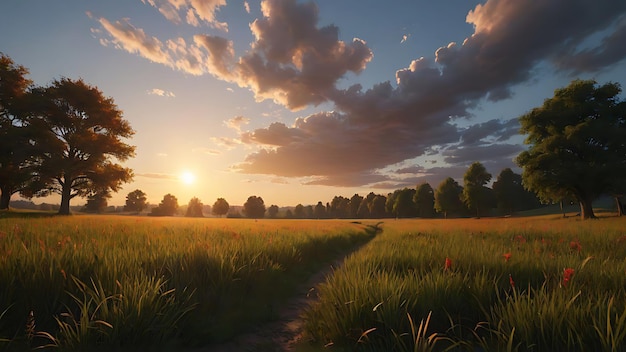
<point>26,214</point>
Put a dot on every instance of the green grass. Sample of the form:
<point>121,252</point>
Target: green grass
<point>374,302</point>
<point>106,282</point>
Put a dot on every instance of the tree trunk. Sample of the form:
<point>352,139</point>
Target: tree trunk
<point>620,209</point>
<point>5,198</point>
<point>66,192</point>
<point>586,209</point>
<point>562,209</point>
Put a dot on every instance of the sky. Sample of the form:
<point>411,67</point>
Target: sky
<point>297,101</point>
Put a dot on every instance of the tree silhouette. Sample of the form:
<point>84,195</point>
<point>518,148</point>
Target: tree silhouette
<point>272,211</point>
<point>254,207</point>
<point>220,207</point>
<point>97,202</point>
<point>136,201</point>
<point>425,201</point>
<point>577,144</point>
<point>167,207</point>
<point>194,208</point>
<point>89,131</point>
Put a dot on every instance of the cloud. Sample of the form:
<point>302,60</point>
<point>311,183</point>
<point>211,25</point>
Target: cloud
<point>386,124</point>
<point>161,93</point>
<point>161,155</point>
<point>193,11</point>
<point>236,122</point>
<point>405,38</point>
<point>206,151</point>
<point>246,6</point>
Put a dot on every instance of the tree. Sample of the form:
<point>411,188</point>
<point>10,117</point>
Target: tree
<point>576,143</point>
<point>272,211</point>
<point>403,206</point>
<point>377,207</point>
<point>364,209</point>
<point>220,207</point>
<point>254,207</point>
<point>510,193</point>
<point>194,208</point>
<point>89,131</point>
<point>475,194</point>
<point>136,201</point>
<point>97,202</point>
<point>339,207</point>
<point>355,203</point>
<point>448,197</point>
<point>319,212</point>
<point>16,147</point>
<point>167,207</point>
<point>425,201</point>
<point>298,212</point>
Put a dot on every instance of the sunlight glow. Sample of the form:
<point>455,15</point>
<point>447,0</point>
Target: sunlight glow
<point>187,177</point>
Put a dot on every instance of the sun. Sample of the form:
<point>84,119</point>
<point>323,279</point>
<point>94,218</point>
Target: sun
<point>187,177</point>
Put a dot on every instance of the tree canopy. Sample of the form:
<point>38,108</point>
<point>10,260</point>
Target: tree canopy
<point>448,197</point>
<point>136,201</point>
<point>425,201</point>
<point>194,208</point>
<point>254,207</point>
<point>220,207</point>
<point>89,131</point>
<point>475,194</point>
<point>577,144</point>
<point>167,207</point>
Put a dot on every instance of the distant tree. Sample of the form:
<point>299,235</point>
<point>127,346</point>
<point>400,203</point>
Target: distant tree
<point>510,193</point>
<point>355,203</point>
<point>289,214</point>
<point>377,207</point>
<point>340,207</point>
<point>308,212</point>
<point>194,208</point>
<point>254,207</point>
<point>576,144</point>
<point>448,197</point>
<point>320,211</point>
<point>425,201</point>
<point>272,211</point>
<point>364,209</point>
<point>404,207</point>
<point>136,201</point>
<point>90,131</point>
<point>97,202</point>
<point>167,207</point>
<point>220,207</point>
<point>298,212</point>
<point>391,201</point>
<point>475,194</point>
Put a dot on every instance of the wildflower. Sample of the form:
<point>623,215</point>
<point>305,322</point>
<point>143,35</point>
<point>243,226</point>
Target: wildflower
<point>511,282</point>
<point>567,275</point>
<point>64,274</point>
<point>520,239</point>
<point>448,265</point>
<point>575,245</point>
<point>507,256</point>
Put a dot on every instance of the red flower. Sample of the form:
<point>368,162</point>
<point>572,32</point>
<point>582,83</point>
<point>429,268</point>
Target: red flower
<point>575,245</point>
<point>448,265</point>
<point>507,256</point>
<point>567,275</point>
<point>511,282</point>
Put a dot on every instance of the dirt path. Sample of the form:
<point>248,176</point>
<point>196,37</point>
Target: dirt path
<point>284,334</point>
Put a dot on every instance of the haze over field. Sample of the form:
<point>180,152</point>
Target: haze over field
<point>297,101</point>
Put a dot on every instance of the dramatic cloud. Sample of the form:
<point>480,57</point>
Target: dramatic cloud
<point>135,41</point>
<point>388,124</point>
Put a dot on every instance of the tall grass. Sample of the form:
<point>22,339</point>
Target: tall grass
<point>538,284</point>
<point>104,282</point>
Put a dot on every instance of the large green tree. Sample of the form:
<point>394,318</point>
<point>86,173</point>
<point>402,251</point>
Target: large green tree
<point>254,207</point>
<point>475,193</point>
<point>90,133</point>
<point>577,144</point>
<point>448,197</point>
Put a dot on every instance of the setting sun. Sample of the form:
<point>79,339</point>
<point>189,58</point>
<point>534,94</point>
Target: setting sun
<point>187,177</point>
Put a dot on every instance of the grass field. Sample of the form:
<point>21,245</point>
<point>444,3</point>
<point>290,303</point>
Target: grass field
<point>127,283</point>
